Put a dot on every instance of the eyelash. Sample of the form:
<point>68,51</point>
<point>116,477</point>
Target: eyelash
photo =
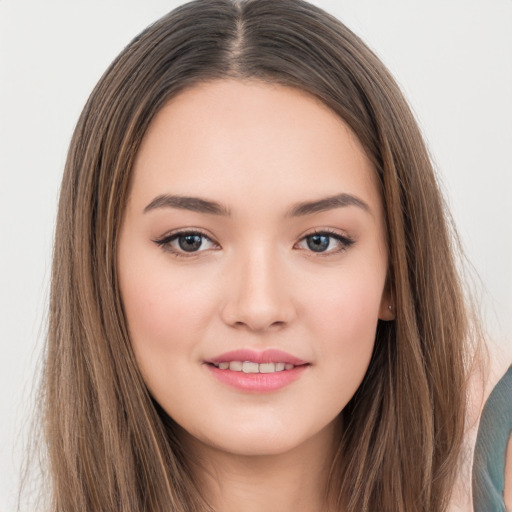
<point>344,241</point>
<point>165,242</point>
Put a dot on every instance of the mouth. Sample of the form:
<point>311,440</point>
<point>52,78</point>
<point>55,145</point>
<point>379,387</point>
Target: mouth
<point>248,370</point>
<point>254,367</point>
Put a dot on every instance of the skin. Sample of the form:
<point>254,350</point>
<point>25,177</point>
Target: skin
<point>257,149</point>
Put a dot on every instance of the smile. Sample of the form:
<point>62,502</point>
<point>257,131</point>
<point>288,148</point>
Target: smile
<point>253,367</point>
<point>257,371</point>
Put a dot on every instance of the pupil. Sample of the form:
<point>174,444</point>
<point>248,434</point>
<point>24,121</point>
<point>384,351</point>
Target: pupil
<point>318,243</point>
<point>190,243</point>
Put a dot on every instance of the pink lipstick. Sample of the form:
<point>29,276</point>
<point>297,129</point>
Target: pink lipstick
<point>249,370</point>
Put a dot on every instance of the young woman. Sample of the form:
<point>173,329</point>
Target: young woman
<point>254,301</point>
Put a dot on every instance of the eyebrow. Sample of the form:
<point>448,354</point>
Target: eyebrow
<point>327,203</point>
<point>194,204</point>
<point>199,205</point>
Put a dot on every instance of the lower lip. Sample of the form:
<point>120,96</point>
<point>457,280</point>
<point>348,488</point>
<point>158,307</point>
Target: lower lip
<point>258,382</point>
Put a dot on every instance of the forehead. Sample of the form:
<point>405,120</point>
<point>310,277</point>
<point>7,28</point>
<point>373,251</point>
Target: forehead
<point>232,139</point>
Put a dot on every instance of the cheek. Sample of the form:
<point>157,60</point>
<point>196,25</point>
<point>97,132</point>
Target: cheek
<point>163,311</point>
<point>345,318</point>
<point>166,318</point>
<point>348,305</point>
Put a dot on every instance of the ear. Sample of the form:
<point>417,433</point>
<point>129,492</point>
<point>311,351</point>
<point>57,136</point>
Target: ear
<point>387,311</point>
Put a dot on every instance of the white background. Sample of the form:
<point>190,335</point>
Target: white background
<point>453,59</point>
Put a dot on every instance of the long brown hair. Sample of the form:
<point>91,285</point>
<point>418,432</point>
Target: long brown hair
<point>110,446</point>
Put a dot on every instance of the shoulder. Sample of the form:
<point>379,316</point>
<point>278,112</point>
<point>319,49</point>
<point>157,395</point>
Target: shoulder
<point>492,465</point>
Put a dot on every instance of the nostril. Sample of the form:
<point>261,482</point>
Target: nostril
<point>259,326</point>
<point>257,308</point>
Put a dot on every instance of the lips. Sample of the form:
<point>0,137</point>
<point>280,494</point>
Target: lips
<point>266,356</point>
<point>249,370</point>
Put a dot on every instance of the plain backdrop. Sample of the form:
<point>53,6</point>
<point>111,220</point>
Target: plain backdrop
<point>453,59</point>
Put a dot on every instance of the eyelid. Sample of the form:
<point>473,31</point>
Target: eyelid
<point>345,240</point>
<point>165,241</point>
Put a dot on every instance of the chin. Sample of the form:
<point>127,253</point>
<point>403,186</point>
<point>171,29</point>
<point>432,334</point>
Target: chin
<point>259,440</point>
<point>256,446</point>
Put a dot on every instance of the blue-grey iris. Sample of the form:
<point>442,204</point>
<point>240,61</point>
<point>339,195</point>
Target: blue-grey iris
<point>318,243</point>
<point>190,243</point>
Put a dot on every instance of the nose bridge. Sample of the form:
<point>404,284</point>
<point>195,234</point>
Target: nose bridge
<point>258,298</point>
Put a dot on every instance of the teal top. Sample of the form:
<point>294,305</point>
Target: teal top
<point>491,444</point>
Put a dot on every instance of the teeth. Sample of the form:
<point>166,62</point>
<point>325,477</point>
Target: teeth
<point>236,366</point>
<point>267,367</point>
<point>252,367</point>
<point>248,367</point>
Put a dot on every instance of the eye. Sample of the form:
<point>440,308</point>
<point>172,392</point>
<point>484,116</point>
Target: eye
<point>184,242</point>
<point>325,242</point>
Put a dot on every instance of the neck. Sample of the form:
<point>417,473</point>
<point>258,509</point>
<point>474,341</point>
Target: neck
<point>284,482</point>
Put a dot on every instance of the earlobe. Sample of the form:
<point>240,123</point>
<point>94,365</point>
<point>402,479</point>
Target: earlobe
<point>387,310</point>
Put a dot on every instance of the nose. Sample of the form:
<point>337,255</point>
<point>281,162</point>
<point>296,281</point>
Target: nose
<point>259,295</point>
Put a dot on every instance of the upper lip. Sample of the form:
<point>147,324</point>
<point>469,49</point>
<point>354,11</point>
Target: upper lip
<point>265,356</point>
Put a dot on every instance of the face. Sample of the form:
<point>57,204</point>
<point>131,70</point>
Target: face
<point>252,263</point>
